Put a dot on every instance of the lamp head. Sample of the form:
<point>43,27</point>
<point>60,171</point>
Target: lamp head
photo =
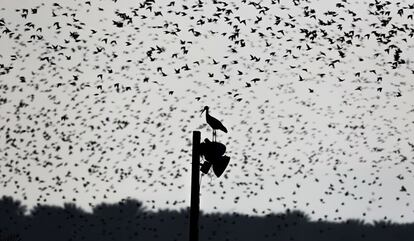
<point>220,165</point>
<point>213,152</point>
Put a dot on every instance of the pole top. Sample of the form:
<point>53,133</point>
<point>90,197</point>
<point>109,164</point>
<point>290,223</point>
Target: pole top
<point>197,134</point>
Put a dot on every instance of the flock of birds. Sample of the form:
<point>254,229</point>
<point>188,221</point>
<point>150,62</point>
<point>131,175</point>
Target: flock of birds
<point>98,101</point>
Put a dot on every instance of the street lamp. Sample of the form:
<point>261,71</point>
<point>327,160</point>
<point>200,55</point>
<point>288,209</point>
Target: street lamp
<point>213,153</point>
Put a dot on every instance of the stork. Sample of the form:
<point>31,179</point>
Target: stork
<point>213,122</point>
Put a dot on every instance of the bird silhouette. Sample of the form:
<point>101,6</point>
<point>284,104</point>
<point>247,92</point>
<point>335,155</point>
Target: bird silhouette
<point>213,123</point>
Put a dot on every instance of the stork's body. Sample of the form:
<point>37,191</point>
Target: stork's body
<point>213,123</point>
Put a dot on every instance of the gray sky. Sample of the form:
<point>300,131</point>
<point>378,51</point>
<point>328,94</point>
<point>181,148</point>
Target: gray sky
<point>344,150</point>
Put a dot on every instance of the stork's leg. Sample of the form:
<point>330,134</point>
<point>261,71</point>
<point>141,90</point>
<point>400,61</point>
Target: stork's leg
<point>214,135</point>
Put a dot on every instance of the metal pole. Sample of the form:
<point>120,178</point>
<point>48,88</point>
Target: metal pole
<point>195,188</point>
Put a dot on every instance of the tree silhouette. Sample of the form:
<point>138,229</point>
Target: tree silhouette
<point>129,220</point>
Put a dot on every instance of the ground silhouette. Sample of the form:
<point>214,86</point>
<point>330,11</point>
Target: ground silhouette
<point>129,220</point>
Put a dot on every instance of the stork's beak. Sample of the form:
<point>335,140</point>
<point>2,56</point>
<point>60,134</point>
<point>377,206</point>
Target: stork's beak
<point>202,111</point>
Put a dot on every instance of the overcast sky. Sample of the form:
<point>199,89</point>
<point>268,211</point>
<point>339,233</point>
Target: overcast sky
<point>94,112</point>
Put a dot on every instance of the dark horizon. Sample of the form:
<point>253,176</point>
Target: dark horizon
<point>129,220</point>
